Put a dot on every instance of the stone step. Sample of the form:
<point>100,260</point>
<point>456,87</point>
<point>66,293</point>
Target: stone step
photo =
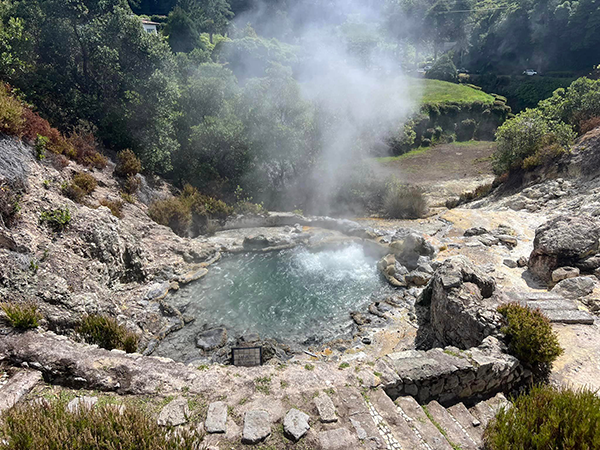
<point>569,316</point>
<point>483,412</point>
<point>470,423</point>
<point>454,432</point>
<point>420,422</point>
<point>17,386</point>
<point>358,413</point>
<point>399,427</point>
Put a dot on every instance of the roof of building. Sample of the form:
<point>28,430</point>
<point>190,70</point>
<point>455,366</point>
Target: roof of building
<point>149,22</point>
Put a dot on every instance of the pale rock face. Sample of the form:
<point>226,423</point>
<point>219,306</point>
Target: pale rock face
<point>296,424</point>
<point>563,273</point>
<point>216,418</point>
<point>257,426</point>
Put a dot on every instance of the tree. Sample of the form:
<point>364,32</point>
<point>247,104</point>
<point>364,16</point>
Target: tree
<point>181,31</point>
<point>443,69</point>
<point>216,16</point>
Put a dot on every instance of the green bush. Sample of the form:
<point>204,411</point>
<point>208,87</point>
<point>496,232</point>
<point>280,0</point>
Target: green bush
<point>173,213</point>
<point>82,185</point>
<point>547,418</point>
<point>57,219</point>
<point>404,202</point>
<point>529,335</point>
<point>127,164</point>
<point>40,147</point>
<point>11,113</point>
<point>22,315</point>
<point>107,333</point>
<point>49,425</point>
<point>443,69</point>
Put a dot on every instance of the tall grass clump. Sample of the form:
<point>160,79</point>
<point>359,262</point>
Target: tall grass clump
<point>403,201</point>
<point>22,316</point>
<point>50,426</point>
<point>547,418</point>
<point>530,336</point>
<point>107,333</point>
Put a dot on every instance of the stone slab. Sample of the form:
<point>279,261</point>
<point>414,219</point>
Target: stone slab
<point>569,317</point>
<point>326,408</point>
<point>216,418</point>
<point>455,433</point>
<point>468,422</point>
<point>338,439</point>
<point>257,427</point>
<point>420,422</point>
<point>18,386</point>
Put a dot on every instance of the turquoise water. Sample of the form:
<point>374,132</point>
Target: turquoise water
<point>292,295</point>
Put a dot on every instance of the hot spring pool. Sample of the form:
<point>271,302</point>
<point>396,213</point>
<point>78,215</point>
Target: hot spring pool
<point>295,296</point>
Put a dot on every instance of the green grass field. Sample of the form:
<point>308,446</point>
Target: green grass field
<point>436,92</point>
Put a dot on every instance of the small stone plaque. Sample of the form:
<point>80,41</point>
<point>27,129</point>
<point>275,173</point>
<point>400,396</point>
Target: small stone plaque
<point>247,356</point>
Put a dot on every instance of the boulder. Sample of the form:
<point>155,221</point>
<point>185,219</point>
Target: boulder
<point>211,339</point>
<point>257,427</point>
<point>417,278</point>
<point>326,408</point>
<point>575,287</point>
<point>216,418</point>
<point>295,424</point>
<point>462,311</point>
<point>563,273</point>
<point>563,241</point>
<point>174,413</point>
<point>510,263</point>
<point>408,247</point>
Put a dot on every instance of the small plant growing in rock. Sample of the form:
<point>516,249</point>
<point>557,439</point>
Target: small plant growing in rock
<point>51,426</point>
<point>107,333</point>
<point>40,147</point>
<point>57,219</point>
<point>309,367</point>
<point>22,316</point>
<point>547,417</point>
<point>263,384</point>
<point>127,164</point>
<point>343,365</point>
<point>10,197</point>
<point>83,184</point>
<point>115,206</point>
<point>128,197</point>
<point>529,335</point>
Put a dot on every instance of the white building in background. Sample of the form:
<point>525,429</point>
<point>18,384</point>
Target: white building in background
<point>150,26</point>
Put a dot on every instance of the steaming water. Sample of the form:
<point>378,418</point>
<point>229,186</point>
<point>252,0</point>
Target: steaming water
<point>293,295</point>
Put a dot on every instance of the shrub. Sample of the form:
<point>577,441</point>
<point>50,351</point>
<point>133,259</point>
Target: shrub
<point>11,113</point>
<point>73,192</point>
<point>22,316</point>
<point>107,333</point>
<point>50,426</point>
<point>529,335</point>
<point>173,213</point>
<point>57,219</point>
<point>40,147</point>
<point>547,417</point>
<point>127,164</point>
<point>115,206</point>
<point>443,69</point>
<point>132,184</point>
<point>10,196</point>
<point>86,150</point>
<point>86,182</point>
<point>403,201</point>
<point>128,197</point>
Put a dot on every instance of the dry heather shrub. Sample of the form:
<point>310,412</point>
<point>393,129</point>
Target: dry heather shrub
<point>107,333</point>
<point>48,425</point>
<point>529,335</point>
<point>81,185</point>
<point>127,164</point>
<point>173,213</point>
<point>588,125</point>
<point>404,202</point>
<point>132,184</point>
<point>115,206</point>
<point>11,113</point>
<point>86,149</point>
<point>547,417</point>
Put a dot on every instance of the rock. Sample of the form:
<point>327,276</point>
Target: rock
<point>256,242</point>
<point>589,264</point>
<point>174,413</point>
<point>417,278</point>
<point>360,318</point>
<point>366,341</point>
<point>510,263</point>
<point>458,295</point>
<point>257,427</point>
<point>575,287</point>
<point>563,241</point>
<point>216,418</point>
<point>295,424</point>
<point>475,231</point>
<point>193,275</point>
<point>563,273</point>
<point>340,439</point>
<point>409,246</point>
<point>522,261</point>
<point>211,339</point>
<point>326,408</point>
<point>84,402</point>
<point>488,239</point>
<point>509,241</point>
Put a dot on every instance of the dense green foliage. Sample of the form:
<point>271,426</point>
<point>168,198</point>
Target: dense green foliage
<point>49,425</point>
<point>547,417</point>
<point>21,315</point>
<point>106,332</point>
<point>538,136</point>
<point>443,69</point>
<point>58,219</point>
<point>529,335</point>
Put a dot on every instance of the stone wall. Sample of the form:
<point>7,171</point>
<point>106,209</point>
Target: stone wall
<point>451,375</point>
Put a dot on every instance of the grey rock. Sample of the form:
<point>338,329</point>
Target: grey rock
<point>81,403</point>
<point>257,427</point>
<point>510,263</point>
<point>211,339</point>
<point>216,418</point>
<point>575,287</point>
<point>295,424</point>
<point>174,413</point>
<point>408,247</point>
<point>563,241</point>
<point>522,261</point>
<point>489,240</point>
<point>340,439</point>
<point>589,264</point>
<point>417,278</point>
<point>562,273</point>
<point>475,231</point>
<point>508,240</point>
<point>326,408</point>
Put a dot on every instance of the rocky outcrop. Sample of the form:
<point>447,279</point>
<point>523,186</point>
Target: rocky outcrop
<point>462,310</point>
<point>450,374</point>
<point>564,241</point>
